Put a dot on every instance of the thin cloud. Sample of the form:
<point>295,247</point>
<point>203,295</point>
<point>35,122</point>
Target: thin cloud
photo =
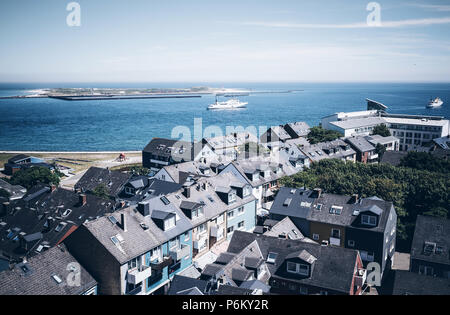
<point>433,7</point>
<point>384,24</point>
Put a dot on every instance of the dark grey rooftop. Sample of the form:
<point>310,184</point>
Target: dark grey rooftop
<point>36,276</point>
<point>112,180</point>
<point>436,232</point>
<point>409,283</point>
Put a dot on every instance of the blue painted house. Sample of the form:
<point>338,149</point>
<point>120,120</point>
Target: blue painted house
<point>135,251</point>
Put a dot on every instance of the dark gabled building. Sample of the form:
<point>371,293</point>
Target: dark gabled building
<point>365,151</point>
<point>43,219</point>
<point>114,181</point>
<point>297,129</point>
<point>410,283</point>
<point>22,161</point>
<point>430,251</point>
<point>297,267</point>
<point>163,152</point>
<point>54,272</point>
<point>181,285</point>
<point>367,224</point>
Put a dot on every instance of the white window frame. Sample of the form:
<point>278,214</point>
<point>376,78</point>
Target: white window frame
<point>366,220</point>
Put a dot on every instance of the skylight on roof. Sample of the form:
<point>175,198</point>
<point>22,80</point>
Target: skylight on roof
<point>112,220</point>
<point>272,257</point>
<point>165,200</point>
<point>57,279</point>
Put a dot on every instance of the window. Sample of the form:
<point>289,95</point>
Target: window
<point>247,191</point>
<point>336,210</point>
<point>369,220</point>
<point>186,237</point>
<point>241,225</point>
<point>173,243</point>
<point>367,256</point>
<point>335,233</point>
<point>232,197</point>
<point>169,223</point>
<point>230,229</point>
<point>201,228</point>
<point>241,210</point>
<point>351,243</point>
<point>303,291</point>
<point>426,270</point>
<point>272,257</point>
<point>316,237</point>
<point>298,268</point>
<point>220,219</point>
<point>319,207</point>
<point>230,214</point>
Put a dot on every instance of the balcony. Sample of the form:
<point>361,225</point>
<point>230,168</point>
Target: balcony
<point>201,242</point>
<point>335,241</point>
<point>360,278</point>
<point>217,231</point>
<point>138,275</point>
<point>136,291</point>
<point>180,253</point>
<point>160,265</point>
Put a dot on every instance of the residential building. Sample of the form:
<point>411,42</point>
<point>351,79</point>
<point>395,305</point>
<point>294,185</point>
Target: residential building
<point>297,129</point>
<point>216,208</point>
<point>410,283</point>
<point>365,151</point>
<point>23,161</point>
<point>15,191</point>
<point>54,272</point>
<point>229,145</point>
<point>368,224</point>
<point>142,188</point>
<point>163,152</point>
<point>112,181</point>
<point>337,149</point>
<point>285,229</point>
<point>276,136</point>
<point>44,218</point>
<point>295,267</point>
<point>263,174</point>
<point>430,250</point>
<point>135,251</point>
<point>390,143</point>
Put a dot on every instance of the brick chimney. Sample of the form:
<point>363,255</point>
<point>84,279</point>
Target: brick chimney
<point>52,187</point>
<point>83,199</point>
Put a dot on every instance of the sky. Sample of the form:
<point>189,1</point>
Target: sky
<point>225,41</point>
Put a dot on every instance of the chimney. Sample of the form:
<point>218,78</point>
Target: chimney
<point>144,209</point>
<point>354,199</point>
<point>123,223</point>
<point>187,192</point>
<point>83,199</point>
<point>122,204</point>
<point>318,192</point>
<point>52,187</point>
<point>6,208</point>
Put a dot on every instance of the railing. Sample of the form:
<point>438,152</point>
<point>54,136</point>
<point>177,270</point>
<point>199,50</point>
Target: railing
<point>135,291</point>
<point>180,253</point>
<point>160,265</point>
<point>138,275</point>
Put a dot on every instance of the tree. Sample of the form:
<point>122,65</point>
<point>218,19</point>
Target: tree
<point>318,135</point>
<point>380,150</point>
<point>425,161</point>
<point>382,130</point>
<point>34,175</point>
<point>101,191</point>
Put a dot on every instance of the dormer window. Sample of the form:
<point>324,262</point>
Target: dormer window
<point>232,197</point>
<point>369,220</point>
<point>336,210</point>
<point>169,223</point>
<point>246,191</point>
<point>272,257</point>
<point>300,269</point>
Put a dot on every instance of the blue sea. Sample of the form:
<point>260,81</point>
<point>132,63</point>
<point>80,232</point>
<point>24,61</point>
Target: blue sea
<point>128,125</point>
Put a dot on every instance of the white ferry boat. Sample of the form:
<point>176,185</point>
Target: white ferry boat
<point>437,102</point>
<point>230,104</point>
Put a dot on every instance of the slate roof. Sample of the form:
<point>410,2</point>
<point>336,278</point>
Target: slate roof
<point>255,285</point>
<point>333,269</point>
<point>360,144</point>
<point>113,180</point>
<point>54,214</point>
<point>38,280</point>
<point>304,205</point>
<point>300,128</point>
<point>323,150</point>
<point>18,158</point>
<point>432,230</point>
<point>409,283</point>
<point>137,241</point>
<point>183,285</point>
<point>149,189</point>
<point>288,228</point>
<point>166,148</point>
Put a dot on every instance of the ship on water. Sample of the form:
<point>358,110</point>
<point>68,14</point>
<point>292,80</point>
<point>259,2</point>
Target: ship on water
<point>437,102</point>
<point>228,105</point>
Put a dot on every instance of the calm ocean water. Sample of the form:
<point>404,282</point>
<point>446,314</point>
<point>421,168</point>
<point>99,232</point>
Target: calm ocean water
<point>55,125</point>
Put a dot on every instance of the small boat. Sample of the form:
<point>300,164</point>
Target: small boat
<point>230,104</point>
<point>437,102</point>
